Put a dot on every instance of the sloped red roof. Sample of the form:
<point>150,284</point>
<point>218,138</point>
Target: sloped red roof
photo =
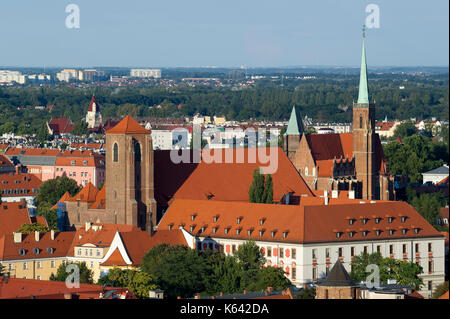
<point>87,194</point>
<point>5,162</point>
<point>302,224</point>
<point>28,184</point>
<point>93,100</point>
<point>444,296</point>
<point>115,259</point>
<point>231,181</point>
<point>12,216</point>
<point>60,125</point>
<point>128,126</point>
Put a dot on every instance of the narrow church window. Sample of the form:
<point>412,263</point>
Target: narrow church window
<point>137,152</point>
<point>360,121</point>
<point>115,153</point>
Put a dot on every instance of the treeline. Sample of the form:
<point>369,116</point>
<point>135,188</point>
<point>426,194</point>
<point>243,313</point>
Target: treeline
<point>327,100</point>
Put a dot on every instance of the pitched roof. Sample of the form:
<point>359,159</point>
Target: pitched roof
<point>128,125</point>
<point>295,125</point>
<point>5,161</point>
<point>443,170</point>
<point>19,185</point>
<point>11,251</point>
<point>231,181</point>
<point>444,296</point>
<point>87,194</point>
<point>309,222</point>
<point>337,277</point>
<point>12,216</point>
<point>60,126</point>
<point>93,100</point>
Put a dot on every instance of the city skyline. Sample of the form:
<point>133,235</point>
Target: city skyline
<point>203,34</point>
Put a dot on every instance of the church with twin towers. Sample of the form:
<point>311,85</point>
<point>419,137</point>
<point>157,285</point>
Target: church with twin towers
<point>352,162</point>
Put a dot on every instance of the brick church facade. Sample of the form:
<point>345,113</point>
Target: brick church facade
<point>354,162</point>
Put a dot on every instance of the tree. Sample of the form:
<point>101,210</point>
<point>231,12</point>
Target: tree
<point>85,273</point>
<point>307,293</point>
<point>52,190</point>
<point>31,228</point>
<point>178,270</point>
<point>405,129</point>
<point>138,282</point>
<point>80,128</point>
<point>225,275</point>
<point>43,134</point>
<point>261,189</point>
<point>251,260</point>
<point>440,290</point>
<point>429,205</point>
<point>404,272</point>
<point>269,277</point>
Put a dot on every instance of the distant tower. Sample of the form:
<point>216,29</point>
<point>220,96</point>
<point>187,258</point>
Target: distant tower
<point>364,134</point>
<point>93,116</point>
<point>130,175</point>
<point>295,129</point>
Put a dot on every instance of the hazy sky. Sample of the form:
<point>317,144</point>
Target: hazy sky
<point>229,33</point>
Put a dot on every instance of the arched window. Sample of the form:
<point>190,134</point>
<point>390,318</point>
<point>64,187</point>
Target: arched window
<point>360,121</point>
<point>115,153</point>
<point>137,152</point>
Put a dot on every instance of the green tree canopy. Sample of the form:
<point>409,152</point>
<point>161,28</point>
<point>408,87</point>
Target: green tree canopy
<point>261,189</point>
<point>138,282</point>
<point>31,228</point>
<point>404,272</point>
<point>405,129</point>
<point>86,275</point>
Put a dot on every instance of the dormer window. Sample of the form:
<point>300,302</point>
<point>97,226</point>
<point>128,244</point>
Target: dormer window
<point>391,232</point>
<point>390,219</point>
<point>193,216</point>
<point>192,228</point>
<point>249,232</point>
<point>170,226</point>
<point>272,233</point>
<point>285,234</point>
<point>404,231</point>
<point>238,220</point>
<point>377,220</point>
<point>238,231</point>
<point>364,233</point>
<point>261,232</point>
<point>202,229</point>
<point>338,234</point>
<point>226,231</point>
<point>261,221</point>
<point>416,230</point>
<point>215,218</point>
<point>214,230</point>
<point>378,232</point>
<point>351,234</point>
<point>364,221</point>
<point>403,219</point>
<point>350,221</point>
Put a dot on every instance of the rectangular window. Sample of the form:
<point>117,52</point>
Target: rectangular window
<point>430,248</point>
<point>391,249</point>
<point>281,253</point>
<point>314,253</point>
<point>294,273</point>
<point>404,248</point>
<point>352,251</point>
<point>430,267</point>
<point>269,252</point>
<point>233,248</point>
<point>25,266</point>
<point>430,285</point>
<point>39,265</point>
<point>366,249</point>
<point>340,252</point>
<point>294,253</point>
<point>38,277</point>
<point>417,248</point>
<point>52,264</point>
<point>327,252</point>
<point>379,249</point>
<point>10,266</point>
<point>314,271</point>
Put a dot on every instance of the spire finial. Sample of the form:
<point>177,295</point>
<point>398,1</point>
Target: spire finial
<point>364,30</point>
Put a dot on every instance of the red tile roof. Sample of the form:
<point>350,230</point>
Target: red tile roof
<point>231,181</point>
<point>128,126</point>
<point>12,216</point>
<point>302,224</point>
<point>60,126</point>
<point>93,100</point>
<point>87,194</point>
<point>10,250</point>
<point>5,162</point>
<point>31,151</point>
<point>19,185</point>
<point>444,296</point>
<point>14,288</point>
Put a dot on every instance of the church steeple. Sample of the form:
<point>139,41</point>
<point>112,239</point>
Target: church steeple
<point>295,125</point>
<point>363,96</point>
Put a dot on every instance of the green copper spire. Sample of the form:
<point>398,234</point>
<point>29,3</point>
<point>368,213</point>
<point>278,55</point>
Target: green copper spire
<point>363,96</point>
<point>295,125</point>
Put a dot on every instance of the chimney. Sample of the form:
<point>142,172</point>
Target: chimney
<point>221,294</point>
<point>325,196</point>
<point>17,169</point>
<point>351,194</point>
<point>52,234</point>
<point>87,226</point>
<point>37,235</point>
<point>213,297</point>
<point>245,291</point>
<point>17,238</point>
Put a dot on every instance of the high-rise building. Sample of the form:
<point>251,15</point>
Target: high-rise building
<point>145,73</point>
